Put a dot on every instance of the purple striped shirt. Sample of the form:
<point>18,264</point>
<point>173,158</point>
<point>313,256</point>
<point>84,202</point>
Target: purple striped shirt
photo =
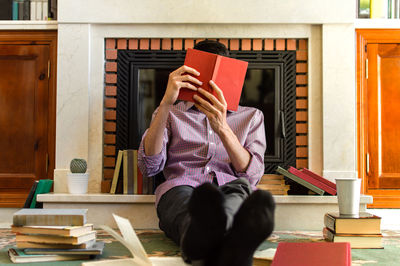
<point>193,154</point>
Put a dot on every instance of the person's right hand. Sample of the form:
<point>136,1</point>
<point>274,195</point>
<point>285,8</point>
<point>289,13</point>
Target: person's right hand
<point>178,79</point>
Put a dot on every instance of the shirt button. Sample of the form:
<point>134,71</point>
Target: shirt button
<point>207,168</point>
<point>210,132</point>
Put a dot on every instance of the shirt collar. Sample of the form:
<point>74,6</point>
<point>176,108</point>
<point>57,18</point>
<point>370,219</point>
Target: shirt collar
<point>189,105</point>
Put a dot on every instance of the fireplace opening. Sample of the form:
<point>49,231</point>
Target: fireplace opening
<point>270,85</point>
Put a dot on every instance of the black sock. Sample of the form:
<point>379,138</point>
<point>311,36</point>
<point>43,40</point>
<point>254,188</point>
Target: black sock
<point>207,225</point>
<point>252,224</point>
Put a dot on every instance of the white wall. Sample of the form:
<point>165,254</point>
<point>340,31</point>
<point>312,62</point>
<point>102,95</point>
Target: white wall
<point>327,25</point>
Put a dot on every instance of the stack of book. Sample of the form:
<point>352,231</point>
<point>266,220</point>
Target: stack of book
<point>310,180</point>
<point>362,232</point>
<point>274,184</point>
<point>53,235</point>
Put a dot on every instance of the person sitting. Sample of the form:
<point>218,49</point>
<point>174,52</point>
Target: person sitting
<point>211,159</point>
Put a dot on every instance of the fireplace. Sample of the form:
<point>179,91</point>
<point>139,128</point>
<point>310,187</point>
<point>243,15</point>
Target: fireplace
<point>138,72</point>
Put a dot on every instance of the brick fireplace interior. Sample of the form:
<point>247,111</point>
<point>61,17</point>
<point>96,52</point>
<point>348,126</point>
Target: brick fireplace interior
<point>112,45</point>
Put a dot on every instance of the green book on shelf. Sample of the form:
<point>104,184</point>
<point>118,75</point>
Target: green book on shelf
<point>300,181</point>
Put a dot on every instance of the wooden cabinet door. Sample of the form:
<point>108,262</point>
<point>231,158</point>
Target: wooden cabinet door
<point>23,120</point>
<point>378,94</point>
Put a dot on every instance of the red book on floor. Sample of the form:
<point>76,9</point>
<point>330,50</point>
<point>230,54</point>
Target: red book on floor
<point>318,177</point>
<point>312,181</point>
<point>312,254</point>
<point>227,73</point>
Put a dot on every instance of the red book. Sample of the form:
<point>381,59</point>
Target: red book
<point>312,254</point>
<point>312,181</point>
<point>318,177</point>
<point>227,73</point>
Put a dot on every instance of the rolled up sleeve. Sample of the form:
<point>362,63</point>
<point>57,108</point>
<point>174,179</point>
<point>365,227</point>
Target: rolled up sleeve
<point>152,165</point>
<point>255,144</point>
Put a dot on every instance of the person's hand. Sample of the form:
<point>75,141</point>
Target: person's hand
<point>178,79</point>
<point>215,108</point>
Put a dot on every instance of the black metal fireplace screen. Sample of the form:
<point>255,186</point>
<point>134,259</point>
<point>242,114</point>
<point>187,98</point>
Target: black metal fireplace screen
<point>270,86</point>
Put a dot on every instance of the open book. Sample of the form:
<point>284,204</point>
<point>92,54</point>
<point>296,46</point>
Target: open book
<point>130,240</point>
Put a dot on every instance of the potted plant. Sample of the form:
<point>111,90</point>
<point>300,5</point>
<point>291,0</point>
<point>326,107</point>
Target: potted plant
<point>78,178</point>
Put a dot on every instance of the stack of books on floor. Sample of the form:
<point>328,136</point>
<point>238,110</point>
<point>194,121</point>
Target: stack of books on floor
<point>274,184</point>
<point>53,235</point>
<point>315,183</point>
<point>362,232</point>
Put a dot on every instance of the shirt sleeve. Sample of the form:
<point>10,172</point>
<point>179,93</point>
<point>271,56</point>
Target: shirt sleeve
<point>152,165</point>
<point>255,144</point>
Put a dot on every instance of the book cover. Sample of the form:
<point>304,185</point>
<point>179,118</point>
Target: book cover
<point>130,172</point>
<point>319,178</point>
<point>44,186</point>
<point>15,10</point>
<point>135,172</point>
<point>28,201</point>
<point>312,254</point>
<point>116,172</point>
<point>18,256</point>
<point>33,10</point>
<point>24,245</point>
<point>54,239</point>
<point>27,10</point>
<point>6,9</point>
<point>312,181</point>
<point>96,249</point>
<point>366,223</point>
<point>53,230</point>
<point>363,9</point>
<point>74,217</point>
<point>300,181</point>
<point>227,73</point>
<point>379,9</point>
<point>125,172</point>
<point>20,9</point>
<point>356,240</point>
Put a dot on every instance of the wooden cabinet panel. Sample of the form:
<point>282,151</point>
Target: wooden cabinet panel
<point>378,82</point>
<point>27,113</point>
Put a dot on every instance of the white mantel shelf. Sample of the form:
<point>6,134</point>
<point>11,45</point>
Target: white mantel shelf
<point>307,211</point>
<point>119,198</point>
<point>28,25</point>
<point>95,198</point>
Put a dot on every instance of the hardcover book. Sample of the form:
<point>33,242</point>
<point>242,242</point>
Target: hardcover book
<point>312,254</point>
<point>319,178</point>
<point>51,239</point>
<point>116,172</point>
<point>53,230</point>
<point>355,240</point>
<point>366,223</point>
<point>227,73</point>
<point>24,245</point>
<point>72,217</point>
<point>19,256</point>
<point>300,181</point>
<point>312,181</point>
<point>96,249</point>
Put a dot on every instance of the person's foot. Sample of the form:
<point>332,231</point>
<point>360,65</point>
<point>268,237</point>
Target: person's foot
<point>207,225</point>
<point>252,224</point>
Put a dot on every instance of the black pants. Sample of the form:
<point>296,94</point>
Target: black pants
<point>172,209</point>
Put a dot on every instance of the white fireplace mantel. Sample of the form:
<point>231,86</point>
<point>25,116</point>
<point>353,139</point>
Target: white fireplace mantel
<point>328,25</point>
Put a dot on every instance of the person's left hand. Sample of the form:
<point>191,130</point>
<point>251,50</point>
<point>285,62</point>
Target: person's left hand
<point>215,108</point>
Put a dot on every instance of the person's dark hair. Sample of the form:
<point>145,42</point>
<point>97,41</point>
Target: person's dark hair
<point>212,46</point>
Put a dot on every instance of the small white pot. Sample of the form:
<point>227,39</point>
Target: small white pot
<point>78,183</point>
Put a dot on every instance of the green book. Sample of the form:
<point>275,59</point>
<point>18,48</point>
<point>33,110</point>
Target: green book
<point>300,181</point>
<point>18,256</point>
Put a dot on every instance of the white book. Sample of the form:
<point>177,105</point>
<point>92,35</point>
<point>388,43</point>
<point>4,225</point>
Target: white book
<point>130,240</point>
<point>38,10</point>
<point>45,10</point>
<point>33,10</point>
